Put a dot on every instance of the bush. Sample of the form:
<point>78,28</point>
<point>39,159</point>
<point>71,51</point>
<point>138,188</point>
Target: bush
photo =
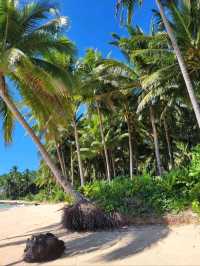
<point>196,206</point>
<point>55,194</point>
<point>194,170</point>
<point>145,195</point>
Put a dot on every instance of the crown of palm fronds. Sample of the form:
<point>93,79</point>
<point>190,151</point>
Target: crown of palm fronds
<point>124,9</point>
<point>30,36</point>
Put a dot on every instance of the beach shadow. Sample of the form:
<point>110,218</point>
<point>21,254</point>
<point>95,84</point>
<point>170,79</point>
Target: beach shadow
<point>139,239</point>
<point>44,229</point>
<point>54,228</point>
<point>51,227</point>
<point>135,239</point>
<point>116,245</point>
<point>15,263</point>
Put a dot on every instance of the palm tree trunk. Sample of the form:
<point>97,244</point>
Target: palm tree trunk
<point>60,159</point>
<point>62,181</point>
<point>113,164</point>
<point>78,153</point>
<point>130,147</point>
<point>104,143</point>
<point>132,156</point>
<point>72,168</point>
<point>181,62</point>
<point>64,163</point>
<point>168,143</point>
<point>155,137</point>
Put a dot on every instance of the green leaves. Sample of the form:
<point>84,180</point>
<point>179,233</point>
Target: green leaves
<point>31,50</point>
<point>8,122</point>
<point>125,8</point>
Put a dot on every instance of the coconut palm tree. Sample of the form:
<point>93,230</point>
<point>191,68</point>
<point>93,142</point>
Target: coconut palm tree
<point>75,120</point>
<point>129,4</point>
<point>137,68</point>
<point>69,105</point>
<point>92,90</point>
<point>24,39</point>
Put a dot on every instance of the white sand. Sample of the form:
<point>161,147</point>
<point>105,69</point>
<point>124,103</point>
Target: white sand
<point>147,245</point>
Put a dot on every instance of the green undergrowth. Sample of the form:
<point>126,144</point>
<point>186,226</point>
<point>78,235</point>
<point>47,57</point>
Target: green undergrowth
<point>173,192</point>
<point>147,195</point>
<point>53,194</point>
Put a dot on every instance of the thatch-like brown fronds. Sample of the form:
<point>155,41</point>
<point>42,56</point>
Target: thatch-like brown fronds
<point>85,216</point>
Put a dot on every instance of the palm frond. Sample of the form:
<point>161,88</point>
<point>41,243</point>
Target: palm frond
<point>8,122</point>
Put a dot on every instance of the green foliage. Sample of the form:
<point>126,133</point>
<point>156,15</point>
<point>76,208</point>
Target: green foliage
<point>39,60</point>
<point>27,185</point>
<point>55,194</point>
<point>146,195</point>
<point>16,185</point>
<point>196,206</point>
<point>195,165</point>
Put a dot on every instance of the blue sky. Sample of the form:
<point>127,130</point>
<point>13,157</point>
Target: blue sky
<point>92,23</point>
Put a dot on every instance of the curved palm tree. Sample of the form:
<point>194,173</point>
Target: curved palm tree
<point>24,40</point>
<point>69,104</point>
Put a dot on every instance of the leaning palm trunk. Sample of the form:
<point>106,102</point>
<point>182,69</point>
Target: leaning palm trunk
<point>62,181</point>
<point>78,153</point>
<point>104,144</point>
<point>83,215</point>
<point>181,62</point>
<point>155,137</point>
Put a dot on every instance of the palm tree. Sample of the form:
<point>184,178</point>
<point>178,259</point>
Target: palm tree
<point>129,4</point>
<point>69,105</point>
<point>78,150</point>
<point>92,90</point>
<point>103,141</point>
<point>155,137</point>
<point>24,39</point>
<point>181,61</point>
<point>169,146</point>
<point>138,68</point>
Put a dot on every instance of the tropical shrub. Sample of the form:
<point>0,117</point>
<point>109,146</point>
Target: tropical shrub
<point>145,195</point>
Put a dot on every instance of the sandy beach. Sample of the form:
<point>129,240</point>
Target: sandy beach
<point>141,245</point>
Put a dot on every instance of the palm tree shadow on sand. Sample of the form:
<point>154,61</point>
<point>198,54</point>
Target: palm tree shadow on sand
<point>117,244</point>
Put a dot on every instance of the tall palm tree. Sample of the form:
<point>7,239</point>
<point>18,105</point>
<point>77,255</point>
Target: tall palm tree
<point>129,4</point>
<point>137,68</point>
<point>69,105</point>
<point>181,61</point>
<point>92,90</point>
<point>78,150</point>
<point>24,39</point>
<point>155,137</point>
<point>103,141</point>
